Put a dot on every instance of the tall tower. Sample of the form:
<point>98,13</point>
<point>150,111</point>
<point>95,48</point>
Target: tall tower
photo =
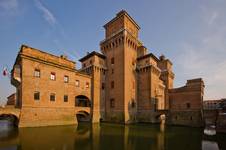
<point>94,65</point>
<point>167,76</point>
<point>120,48</point>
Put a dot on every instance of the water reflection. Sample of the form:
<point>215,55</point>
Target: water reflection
<point>209,145</point>
<point>109,136</point>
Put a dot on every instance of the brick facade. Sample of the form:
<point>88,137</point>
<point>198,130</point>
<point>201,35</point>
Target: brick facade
<point>124,83</point>
<point>186,104</point>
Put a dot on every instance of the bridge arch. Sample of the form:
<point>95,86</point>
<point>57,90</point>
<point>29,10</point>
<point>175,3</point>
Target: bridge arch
<point>12,118</point>
<point>83,116</point>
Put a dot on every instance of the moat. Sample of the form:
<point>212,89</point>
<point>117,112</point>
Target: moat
<point>108,137</point>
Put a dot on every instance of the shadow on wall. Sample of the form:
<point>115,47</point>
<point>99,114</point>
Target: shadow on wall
<point>132,111</point>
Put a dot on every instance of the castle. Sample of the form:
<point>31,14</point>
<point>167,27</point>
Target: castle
<point>122,84</point>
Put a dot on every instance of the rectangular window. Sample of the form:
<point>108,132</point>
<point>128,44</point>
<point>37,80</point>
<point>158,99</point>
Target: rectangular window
<point>112,84</point>
<point>52,97</point>
<point>188,105</point>
<point>53,76</point>
<point>112,102</point>
<point>90,62</point>
<point>84,65</point>
<point>65,98</point>
<point>87,84</point>
<point>133,104</point>
<point>112,71</point>
<point>103,86</point>
<point>66,79</point>
<point>77,83</point>
<point>37,95</point>
<point>37,73</point>
<point>112,60</point>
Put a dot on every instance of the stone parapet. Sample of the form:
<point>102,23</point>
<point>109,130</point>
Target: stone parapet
<point>185,118</point>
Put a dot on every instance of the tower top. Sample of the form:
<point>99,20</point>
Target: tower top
<point>122,21</point>
<point>120,14</point>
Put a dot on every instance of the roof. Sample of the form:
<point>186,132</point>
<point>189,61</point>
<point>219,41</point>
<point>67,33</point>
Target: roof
<point>26,46</point>
<point>11,95</point>
<point>92,54</point>
<point>148,55</point>
<point>121,13</point>
<point>69,64</point>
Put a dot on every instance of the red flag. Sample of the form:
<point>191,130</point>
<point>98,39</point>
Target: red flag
<point>5,72</point>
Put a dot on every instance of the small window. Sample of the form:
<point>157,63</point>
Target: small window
<point>53,76</point>
<point>188,105</point>
<point>103,86</point>
<point>37,73</point>
<point>84,65</point>
<point>77,83</point>
<point>87,84</point>
<point>52,97</point>
<point>37,95</point>
<point>90,62</point>
<point>112,60</point>
<point>66,79</point>
<point>112,71</point>
<point>65,98</point>
<point>133,104</point>
<point>112,84</point>
<point>112,102</point>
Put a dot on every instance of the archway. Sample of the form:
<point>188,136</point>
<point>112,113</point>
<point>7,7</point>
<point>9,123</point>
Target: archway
<point>82,101</point>
<point>83,116</point>
<point>9,119</point>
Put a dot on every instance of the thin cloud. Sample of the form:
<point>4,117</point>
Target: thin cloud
<point>207,61</point>
<point>47,14</point>
<point>213,18</point>
<point>205,57</point>
<point>74,55</point>
<point>51,19</point>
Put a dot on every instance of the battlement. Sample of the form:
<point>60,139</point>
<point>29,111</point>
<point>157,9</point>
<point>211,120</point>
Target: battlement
<point>33,53</point>
<point>122,21</point>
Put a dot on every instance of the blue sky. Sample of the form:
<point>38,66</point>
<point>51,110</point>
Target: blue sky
<point>190,33</point>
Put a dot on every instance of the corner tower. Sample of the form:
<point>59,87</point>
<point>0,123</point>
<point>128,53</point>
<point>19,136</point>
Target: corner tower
<point>167,76</point>
<point>120,48</point>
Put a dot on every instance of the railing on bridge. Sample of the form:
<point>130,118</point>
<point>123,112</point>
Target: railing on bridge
<point>79,108</point>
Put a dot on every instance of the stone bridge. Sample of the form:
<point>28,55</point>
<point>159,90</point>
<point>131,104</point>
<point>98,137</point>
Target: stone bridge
<point>17,116</point>
<point>210,117</point>
<point>158,113</point>
<point>10,111</point>
<point>82,109</point>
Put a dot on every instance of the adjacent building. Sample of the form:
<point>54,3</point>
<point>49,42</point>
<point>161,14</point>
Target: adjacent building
<point>186,104</point>
<point>212,104</point>
<point>11,99</point>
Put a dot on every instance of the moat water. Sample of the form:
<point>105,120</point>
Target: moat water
<point>108,137</point>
